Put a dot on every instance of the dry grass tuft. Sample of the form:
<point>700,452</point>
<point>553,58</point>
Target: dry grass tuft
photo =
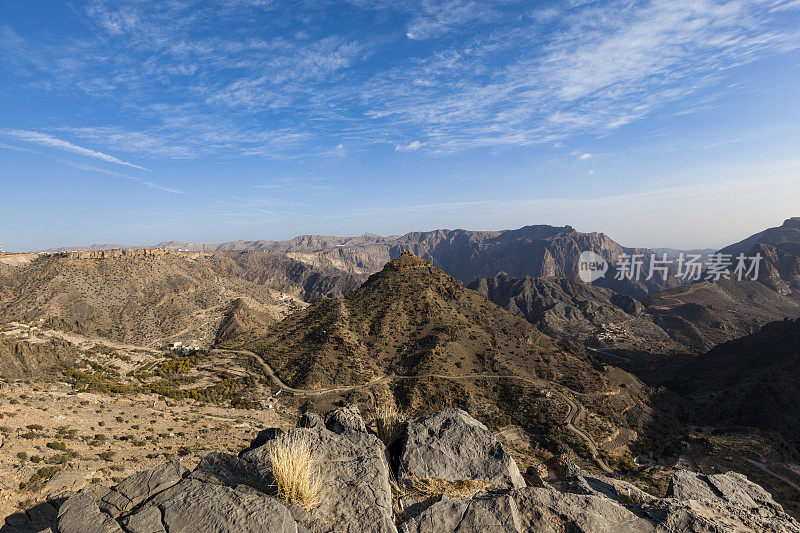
<point>295,471</point>
<point>389,423</point>
<point>465,488</point>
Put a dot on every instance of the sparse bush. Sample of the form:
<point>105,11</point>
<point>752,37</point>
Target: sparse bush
<point>107,455</point>
<point>61,458</point>
<point>42,476</point>
<point>57,445</point>
<point>293,467</point>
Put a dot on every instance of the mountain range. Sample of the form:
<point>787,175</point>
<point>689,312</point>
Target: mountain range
<point>539,251</point>
<point>493,322</point>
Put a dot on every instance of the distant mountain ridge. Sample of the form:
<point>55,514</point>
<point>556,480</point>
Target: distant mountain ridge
<point>538,251</point>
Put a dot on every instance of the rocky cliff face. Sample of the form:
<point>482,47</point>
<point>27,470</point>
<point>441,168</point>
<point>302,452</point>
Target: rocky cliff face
<point>565,308</point>
<point>702,315</point>
<point>447,450</point>
<point>21,358</point>
<point>689,319</point>
<point>780,248</point>
<point>466,255</point>
<point>144,296</point>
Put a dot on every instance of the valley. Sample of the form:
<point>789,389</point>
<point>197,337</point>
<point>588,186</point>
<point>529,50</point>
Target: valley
<point>114,360</point>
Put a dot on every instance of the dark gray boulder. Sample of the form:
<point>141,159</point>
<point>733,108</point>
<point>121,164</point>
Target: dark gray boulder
<point>529,509</point>
<point>345,420</point>
<point>137,488</point>
<point>597,504</point>
<point>80,514</point>
<point>310,421</point>
<point>352,464</point>
<point>728,501</point>
<point>192,506</point>
<point>452,445</point>
<point>357,494</point>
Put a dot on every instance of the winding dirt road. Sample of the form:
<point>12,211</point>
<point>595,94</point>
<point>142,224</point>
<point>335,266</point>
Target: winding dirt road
<point>569,421</point>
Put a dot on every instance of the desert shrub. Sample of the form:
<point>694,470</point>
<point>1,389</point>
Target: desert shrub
<point>176,366</point>
<point>65,432</point>
<point>61,458</point>
<point>293,467</point>
<point>57,445</point>
<point>42,476</point>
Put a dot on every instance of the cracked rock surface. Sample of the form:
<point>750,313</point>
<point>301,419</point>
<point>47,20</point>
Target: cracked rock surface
<point>228,493</point>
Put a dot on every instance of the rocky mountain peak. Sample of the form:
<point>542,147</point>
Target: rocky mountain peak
<point>405,261</point>
<point>793,223</point>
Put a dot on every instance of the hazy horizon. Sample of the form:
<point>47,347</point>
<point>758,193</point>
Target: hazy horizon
<point>198,241</point>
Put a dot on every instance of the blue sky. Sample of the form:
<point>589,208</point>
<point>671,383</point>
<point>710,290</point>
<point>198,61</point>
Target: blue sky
<point>662,123</point>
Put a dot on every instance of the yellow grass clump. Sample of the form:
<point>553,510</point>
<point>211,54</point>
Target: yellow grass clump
<point>437,486</point>
<point>388,423</point>
<point>294,469</point>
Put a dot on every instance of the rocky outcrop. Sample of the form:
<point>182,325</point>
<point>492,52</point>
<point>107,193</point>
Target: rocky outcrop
<point>34,358</point>
<point>353,464</point>
<point>193,506</point>
<point>345,420</point>
<point>453,446</point>
<point>226,493</point>
<point>530,509</point>
<point>112,254</point>
<point>137,488</point>
<point>590,503</point>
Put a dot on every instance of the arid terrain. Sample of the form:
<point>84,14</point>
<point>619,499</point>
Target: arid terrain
<point>114,361</point>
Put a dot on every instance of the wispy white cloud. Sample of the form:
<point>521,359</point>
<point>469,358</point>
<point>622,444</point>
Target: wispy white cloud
<point>147,183</point>
<point>410,147</point>
<point>54,142</point>
<point>602,67</point>
<point>585,156</point>
<point>437,17</point>
<point>490,74</point>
